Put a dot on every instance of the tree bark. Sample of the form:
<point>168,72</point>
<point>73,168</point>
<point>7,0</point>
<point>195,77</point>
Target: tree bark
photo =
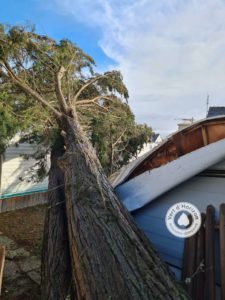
<point>111,150</point>
<point>110,257</point>
<point>56,269</point>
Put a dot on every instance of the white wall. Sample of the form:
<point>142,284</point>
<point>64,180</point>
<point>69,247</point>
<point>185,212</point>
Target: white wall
<point>15,166</point>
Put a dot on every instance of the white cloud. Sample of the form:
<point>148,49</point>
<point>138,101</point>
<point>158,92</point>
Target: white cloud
<point>171,53</point>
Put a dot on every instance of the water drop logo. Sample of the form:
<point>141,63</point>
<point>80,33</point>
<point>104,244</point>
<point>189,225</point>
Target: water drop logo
<point>183,219</point>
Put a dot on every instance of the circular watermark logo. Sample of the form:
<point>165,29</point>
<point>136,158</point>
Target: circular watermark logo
<point>183,219</point>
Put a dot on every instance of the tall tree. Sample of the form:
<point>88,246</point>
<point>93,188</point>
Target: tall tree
<point>109,257</point>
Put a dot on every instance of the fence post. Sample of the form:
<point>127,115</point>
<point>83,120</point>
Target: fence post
<point>189,263</point>
<point>209,254</point>
<point>200,259</point>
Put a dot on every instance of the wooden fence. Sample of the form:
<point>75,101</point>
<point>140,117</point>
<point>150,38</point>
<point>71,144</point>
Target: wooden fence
<point>18,202</point>
<point>199,260</point>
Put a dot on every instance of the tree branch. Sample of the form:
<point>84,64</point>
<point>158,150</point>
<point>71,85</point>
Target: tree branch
<point>92,101</point>
<point>118,140</point>
<point>58,89</point>
<point>122,149</point>
<point>44,53</point>
<point>89,82</point>
<point>27,89</point>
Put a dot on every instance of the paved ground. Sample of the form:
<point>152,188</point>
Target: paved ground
<point>21,273</point>
<point>21,233</point>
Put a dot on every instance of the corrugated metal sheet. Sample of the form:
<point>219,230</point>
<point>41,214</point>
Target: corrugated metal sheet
<point>14,167</point>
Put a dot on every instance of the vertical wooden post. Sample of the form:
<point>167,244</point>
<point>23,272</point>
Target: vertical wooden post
<point>199,286</point>
<point>209,254</point>
<point>189,263</point>
<point>2,262</point>
<point>185,259</point>
<point>222,248</point>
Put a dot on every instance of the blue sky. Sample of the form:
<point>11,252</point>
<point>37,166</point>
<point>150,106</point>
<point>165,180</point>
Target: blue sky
<point>52,22</point>
<point>171,53</point>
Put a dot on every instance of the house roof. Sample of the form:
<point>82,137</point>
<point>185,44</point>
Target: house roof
<point>179,143</point>
<point>216,111</point>
<point>142,189</point>
<point>154,137</point>
<point>181,156</point>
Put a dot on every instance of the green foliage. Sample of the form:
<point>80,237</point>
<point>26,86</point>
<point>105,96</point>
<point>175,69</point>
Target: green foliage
<point>30,67</point>
<point>8,128</point>
<point>117,137</point>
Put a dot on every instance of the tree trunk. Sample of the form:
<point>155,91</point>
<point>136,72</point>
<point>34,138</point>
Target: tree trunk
<point>110,257</point>
<point>56,270</point>
<point>111,151</point>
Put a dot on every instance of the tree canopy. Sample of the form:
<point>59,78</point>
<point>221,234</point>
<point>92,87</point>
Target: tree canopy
<point>47,69</point>
<point>101,99</point>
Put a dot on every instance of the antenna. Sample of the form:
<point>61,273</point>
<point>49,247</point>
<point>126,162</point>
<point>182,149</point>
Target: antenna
<point>207,104</point>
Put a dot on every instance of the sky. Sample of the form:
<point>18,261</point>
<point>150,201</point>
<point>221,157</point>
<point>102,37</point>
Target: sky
<point>171,52</point>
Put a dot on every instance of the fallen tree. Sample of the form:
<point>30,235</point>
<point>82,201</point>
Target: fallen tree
<point>109,258</point>
<point>56,269</point>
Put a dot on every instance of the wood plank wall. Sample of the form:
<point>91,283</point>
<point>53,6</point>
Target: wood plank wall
<point>12,203</point>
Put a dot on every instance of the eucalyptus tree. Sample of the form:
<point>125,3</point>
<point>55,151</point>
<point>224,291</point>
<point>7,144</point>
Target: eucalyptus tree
<point>109,257</point>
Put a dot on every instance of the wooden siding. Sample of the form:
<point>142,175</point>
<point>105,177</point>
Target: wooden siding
<point>182,142</point>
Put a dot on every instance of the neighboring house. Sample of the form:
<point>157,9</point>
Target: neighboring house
<point>15,167</point>
<point>185,123</point>
<point>215,111</point>
<point>156,139</point>
<point>189,166</point>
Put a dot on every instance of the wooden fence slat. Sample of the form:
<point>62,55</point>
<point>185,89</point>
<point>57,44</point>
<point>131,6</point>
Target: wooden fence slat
<point>2,262</point>
<point>222,248</point>
<point>185,259</point>
<point>200,258</point>
<point>209,254</point>
<point>189,262</point>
